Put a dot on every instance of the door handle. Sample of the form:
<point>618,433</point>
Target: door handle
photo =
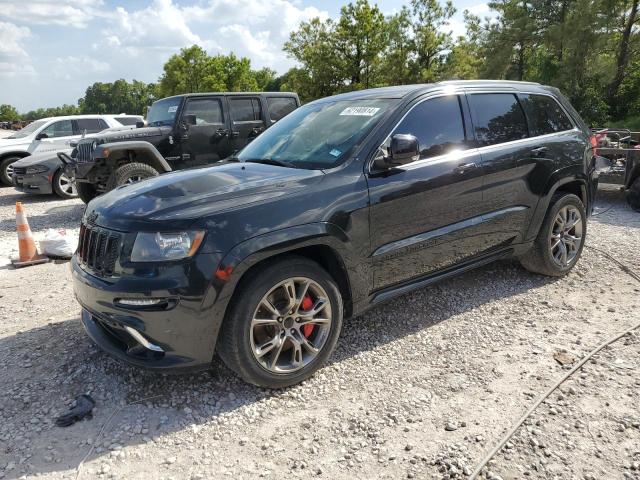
<point>235,133</point>
<point>257,130</point>
<point>221,132</point>
<point>539,151</point>
<point>465,167</point>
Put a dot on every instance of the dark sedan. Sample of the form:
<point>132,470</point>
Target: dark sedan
<point>43,173</point>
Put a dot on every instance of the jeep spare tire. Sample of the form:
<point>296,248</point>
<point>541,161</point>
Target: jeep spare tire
<point>131,173</point>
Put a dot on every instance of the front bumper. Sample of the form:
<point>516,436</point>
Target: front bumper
<point>33,183</point>
<point>180,336</point>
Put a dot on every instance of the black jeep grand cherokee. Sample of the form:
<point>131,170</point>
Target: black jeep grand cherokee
<point>346,202</point>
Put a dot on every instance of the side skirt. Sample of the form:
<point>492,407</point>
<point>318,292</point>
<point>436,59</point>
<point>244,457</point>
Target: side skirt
<point>421,282</point>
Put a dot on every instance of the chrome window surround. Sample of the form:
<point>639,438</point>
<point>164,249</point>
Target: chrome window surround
<point>460,154</point>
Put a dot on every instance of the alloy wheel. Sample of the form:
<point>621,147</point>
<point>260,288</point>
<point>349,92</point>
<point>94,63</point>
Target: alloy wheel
<point>66,185</point>
<point>566,235</point>
<point>291,325</point>
<point>9,170</point>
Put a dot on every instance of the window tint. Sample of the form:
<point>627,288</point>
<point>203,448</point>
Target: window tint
<point>62,128</point>
<point>438,125</point>
<point>207,110</point>
<point>545,115</point>
<point>91,125</point>
<point>280,106</point>
<point>127,120</point>
<point>497,118</point>
<point>245,109</point>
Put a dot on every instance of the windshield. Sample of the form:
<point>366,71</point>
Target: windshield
<point>163,112</point>
<point>317,136</point>
<point>29,129</point>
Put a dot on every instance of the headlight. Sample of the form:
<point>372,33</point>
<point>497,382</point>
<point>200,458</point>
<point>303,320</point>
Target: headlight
<point>158,247</point>
<point>37,169</point>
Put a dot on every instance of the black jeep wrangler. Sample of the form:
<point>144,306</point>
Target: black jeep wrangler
<point>182,132</point>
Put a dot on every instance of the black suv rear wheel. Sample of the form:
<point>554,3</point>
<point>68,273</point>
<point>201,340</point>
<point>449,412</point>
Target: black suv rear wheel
<point>560,240</point>
<point>283,324</point>
<point>633,195</point>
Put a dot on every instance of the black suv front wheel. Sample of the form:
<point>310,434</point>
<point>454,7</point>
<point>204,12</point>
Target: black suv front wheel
<point>560,240</point>
<point>283,324</point>
<point>131,173</point>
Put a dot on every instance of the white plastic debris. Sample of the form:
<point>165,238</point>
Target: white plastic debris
<point>58,243</point>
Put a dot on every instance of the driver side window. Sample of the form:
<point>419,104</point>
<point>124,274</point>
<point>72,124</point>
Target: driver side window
<point>208,111</point>
<point>437,124</point>
<point>62,128</point>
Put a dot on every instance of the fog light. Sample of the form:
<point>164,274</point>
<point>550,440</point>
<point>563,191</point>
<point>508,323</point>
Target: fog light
<point>140,302</point>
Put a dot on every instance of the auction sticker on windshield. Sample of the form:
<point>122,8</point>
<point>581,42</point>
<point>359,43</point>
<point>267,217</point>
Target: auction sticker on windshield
<point>173,108</point>
<point>360,111</point>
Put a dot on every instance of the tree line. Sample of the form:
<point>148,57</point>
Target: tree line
<point>587,48</point>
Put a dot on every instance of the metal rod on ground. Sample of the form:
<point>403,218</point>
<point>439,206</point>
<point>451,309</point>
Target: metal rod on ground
<point>546,395</point>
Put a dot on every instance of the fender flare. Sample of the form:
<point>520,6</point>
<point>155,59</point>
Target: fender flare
<point>250,252</point>
<point>543,204</point>
<point>149,154</point>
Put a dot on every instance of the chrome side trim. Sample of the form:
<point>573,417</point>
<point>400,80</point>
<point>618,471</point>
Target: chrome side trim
<point>141,340</point>
<point>439,232</point>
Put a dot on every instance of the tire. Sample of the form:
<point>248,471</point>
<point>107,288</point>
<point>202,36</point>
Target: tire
<point>63,187</point>
<point>543,256</point>
<point>240,337</point>
<point>5,175</point>
<point>633,195</point>
<point>86,191</point>
<point>130,173</point>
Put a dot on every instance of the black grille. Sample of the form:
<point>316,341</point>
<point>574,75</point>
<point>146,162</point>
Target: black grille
<point>84,151</point>
<point>20,170</point>
<point>98,249</point>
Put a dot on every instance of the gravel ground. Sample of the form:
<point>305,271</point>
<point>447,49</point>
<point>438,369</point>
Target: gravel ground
<point>422,386</point>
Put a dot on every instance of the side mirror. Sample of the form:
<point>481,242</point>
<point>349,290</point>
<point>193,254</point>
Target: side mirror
<point>139,124</point>
<point>404,149</point>
<point>41,135</point>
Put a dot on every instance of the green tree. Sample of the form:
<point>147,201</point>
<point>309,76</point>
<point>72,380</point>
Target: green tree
<point>432,41</point>
<point>8,113</point>
<point>360,38</point>
<point>118,97</point>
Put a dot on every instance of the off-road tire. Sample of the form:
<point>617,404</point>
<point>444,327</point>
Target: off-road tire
<point>86,191</point>
<point>124,174</point>
<point>234,343</point>
<point>539,259</point>
<point>633,195</point>
<point>4,178</point>
<point>56,187</point>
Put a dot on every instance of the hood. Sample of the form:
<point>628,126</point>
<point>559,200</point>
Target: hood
<point>40,158</point>
<point>108,136</point>
<point>12,142</point>
<point>182,198</point>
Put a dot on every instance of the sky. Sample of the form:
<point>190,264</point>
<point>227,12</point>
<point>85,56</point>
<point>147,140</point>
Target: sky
<point>52,50</point>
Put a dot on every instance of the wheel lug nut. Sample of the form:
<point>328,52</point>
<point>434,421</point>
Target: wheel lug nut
<point>280,319</point>
<point>292,331</point>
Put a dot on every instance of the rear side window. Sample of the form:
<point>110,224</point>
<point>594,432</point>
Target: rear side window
<point>90,125</point>
<point>62,128</point>
<point>437,124</point>
<point>545,115</point>
<point>497,118</point>
<point>206,110</point>
<point>280,106</point>
<point>245,109</point>
<point>127,120</point>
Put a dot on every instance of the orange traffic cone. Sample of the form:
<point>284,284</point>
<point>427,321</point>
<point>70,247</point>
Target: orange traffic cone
<point>28,252</point>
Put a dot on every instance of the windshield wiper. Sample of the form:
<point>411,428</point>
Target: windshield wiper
<point>271,161</point>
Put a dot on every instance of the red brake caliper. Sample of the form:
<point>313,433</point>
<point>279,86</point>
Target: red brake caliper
<point>306,305</point>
